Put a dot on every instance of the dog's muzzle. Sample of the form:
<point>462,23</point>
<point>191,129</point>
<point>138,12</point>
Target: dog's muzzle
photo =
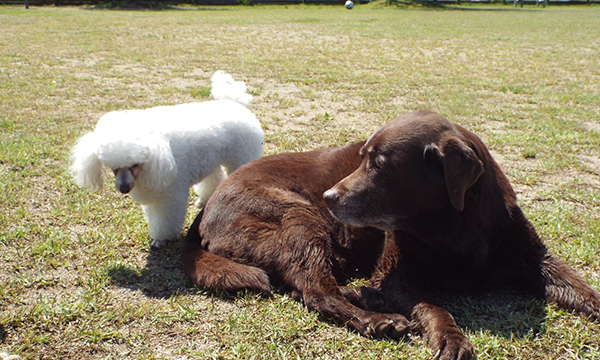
<point>124,180</point>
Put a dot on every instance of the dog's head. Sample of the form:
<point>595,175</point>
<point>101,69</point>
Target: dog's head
<point>144,158</point>
<point>417,163</point>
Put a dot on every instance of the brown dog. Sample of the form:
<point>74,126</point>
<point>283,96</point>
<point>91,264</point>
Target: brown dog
<point>269,220</point>
<point>451,222</point>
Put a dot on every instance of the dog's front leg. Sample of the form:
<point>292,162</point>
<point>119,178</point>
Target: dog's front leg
<point>370,324</point>
<point>436,324</point>
<point>165,219</point>
<point>444,337</point>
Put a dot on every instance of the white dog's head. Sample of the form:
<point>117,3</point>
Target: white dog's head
<point>143,159</point>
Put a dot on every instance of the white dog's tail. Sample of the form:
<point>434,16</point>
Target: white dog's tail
<point>225,88</point>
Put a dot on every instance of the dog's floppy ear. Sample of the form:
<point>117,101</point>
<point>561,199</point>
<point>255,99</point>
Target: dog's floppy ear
<point>160,167</point>
<point>86,168</point>
<point>461,168</point>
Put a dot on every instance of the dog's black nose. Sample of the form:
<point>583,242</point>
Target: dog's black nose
<point>124,180</point>
<point>331,197</point>
<point>124,188</point>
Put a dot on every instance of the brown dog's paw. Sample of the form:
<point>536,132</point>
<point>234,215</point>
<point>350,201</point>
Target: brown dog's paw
<point>451,346</point>
<point>374,300</point>
<point>366,298</point>
<point>258,280</point>
<point>394,326</point>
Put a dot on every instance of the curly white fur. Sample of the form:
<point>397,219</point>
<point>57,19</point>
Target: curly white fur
<point>157,154</point>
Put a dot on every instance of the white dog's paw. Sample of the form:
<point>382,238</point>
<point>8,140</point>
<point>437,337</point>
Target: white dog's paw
<point>200,203</point>
<point>157,244</point>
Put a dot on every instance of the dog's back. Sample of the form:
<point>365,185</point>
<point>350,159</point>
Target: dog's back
<point>181,117</point>
<point>227,112</point>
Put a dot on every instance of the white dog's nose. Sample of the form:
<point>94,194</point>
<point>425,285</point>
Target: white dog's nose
<point>124,180</point>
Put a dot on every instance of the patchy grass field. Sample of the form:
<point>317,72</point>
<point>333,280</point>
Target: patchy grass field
<point>77,280</point>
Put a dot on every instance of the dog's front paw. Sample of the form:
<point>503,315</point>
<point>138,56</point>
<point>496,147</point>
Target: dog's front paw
<point>157,244</point>
<point>394,326</point>
<point>366,298</point>
<point>451,345</point>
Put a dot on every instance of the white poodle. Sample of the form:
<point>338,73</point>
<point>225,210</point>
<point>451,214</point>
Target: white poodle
<point>157,154</point>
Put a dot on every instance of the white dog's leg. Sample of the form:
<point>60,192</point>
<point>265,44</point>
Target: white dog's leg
<point>166,219</point>
<point>207,186</point>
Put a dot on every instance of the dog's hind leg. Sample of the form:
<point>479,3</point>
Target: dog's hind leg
<point>564,287</point>
<point>549,277</point>
<point>205,188</point>
<point>214,271</point>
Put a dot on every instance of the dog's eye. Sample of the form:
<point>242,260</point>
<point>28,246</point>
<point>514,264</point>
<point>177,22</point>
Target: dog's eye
<point>379,161</point>
<point>134,166</point>
<point>376,160</point>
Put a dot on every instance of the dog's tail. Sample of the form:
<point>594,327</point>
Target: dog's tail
<point>213,271</point>
<point>564,287</point>
<point>225,88</point>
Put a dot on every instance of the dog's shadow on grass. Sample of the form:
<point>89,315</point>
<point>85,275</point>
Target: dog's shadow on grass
<point>501,312</point>
<point>161,277</point>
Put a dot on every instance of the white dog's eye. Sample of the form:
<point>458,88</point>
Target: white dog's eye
<point>133,166</point>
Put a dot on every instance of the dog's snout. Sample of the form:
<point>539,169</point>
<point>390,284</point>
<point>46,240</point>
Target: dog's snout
<point>124,180</point>
<point>331,197</point>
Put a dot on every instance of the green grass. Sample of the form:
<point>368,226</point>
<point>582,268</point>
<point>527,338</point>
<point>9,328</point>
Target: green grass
<point>77,280</point>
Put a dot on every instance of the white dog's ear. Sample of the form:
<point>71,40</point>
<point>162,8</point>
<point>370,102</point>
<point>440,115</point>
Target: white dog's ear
<point>86,168</point>
<point>160,168</point>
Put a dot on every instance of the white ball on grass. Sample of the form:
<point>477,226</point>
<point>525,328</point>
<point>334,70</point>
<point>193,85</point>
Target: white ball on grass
<point>349,4</point>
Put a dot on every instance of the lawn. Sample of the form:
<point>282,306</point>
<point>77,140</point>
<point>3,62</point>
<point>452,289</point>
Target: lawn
<point>77,278</point>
